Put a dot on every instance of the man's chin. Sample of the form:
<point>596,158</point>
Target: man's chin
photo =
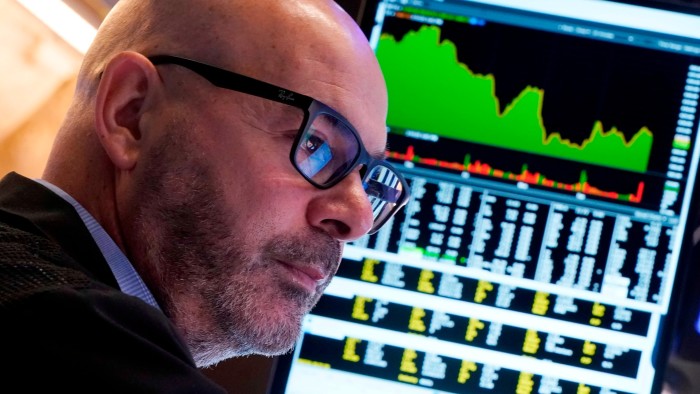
<point>273,352</point>
<point>274,343</point>
<point>262,342</point>
<point>278,331</point>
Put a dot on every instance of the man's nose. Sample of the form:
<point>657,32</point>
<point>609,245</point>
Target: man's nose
<point>343,211</point>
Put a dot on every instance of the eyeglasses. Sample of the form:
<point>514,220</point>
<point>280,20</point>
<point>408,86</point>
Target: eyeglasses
<point>327,147</point>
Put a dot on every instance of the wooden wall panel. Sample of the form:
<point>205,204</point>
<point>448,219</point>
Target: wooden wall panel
<point>37,72</point>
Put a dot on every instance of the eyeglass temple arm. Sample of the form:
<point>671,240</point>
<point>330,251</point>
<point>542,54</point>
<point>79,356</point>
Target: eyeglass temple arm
<point>233,81</point>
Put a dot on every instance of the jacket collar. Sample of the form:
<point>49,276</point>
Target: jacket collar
<point>31,207</point>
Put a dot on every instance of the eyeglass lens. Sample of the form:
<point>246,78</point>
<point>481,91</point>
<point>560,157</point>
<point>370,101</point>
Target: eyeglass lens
<point>384,189</point>
<point>328,149</point>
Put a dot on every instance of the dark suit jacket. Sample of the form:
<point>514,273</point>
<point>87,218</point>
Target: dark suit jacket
<point>64,324</point>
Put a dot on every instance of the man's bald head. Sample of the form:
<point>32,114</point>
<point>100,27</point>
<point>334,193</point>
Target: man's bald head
<point>218,31</point>
<point>147,26</point>
<point>267,39</point>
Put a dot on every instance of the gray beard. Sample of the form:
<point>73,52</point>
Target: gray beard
<point>191,255</point>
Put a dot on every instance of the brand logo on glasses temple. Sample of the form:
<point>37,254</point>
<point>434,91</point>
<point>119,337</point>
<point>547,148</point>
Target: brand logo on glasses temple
<point>285,95</point>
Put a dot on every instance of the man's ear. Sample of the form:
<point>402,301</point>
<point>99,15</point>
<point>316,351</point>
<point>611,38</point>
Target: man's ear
<point>125,90</point>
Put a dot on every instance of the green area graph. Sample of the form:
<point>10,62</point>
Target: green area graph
<point>431,91</point>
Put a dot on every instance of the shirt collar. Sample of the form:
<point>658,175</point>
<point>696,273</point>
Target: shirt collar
<point>127,278</point>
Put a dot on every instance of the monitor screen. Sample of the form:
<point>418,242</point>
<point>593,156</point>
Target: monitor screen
<point>551,148</point>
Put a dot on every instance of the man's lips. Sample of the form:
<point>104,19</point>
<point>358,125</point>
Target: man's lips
<point>307,276</point>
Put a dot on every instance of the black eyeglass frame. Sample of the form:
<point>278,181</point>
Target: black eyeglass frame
<point>311,107</point>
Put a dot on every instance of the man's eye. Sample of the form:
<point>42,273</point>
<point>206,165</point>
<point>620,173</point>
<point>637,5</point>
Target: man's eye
<point>313,156</point>
<point>313,143</point>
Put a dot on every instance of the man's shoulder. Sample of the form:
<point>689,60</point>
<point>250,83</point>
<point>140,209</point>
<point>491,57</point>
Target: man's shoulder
<point>74,331</point>
<point>35,270</point>
<point>30,263</point>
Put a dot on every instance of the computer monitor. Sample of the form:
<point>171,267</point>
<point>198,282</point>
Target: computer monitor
<point>551,147</point>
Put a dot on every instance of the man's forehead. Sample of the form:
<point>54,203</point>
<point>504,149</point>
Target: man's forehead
<point>314,48</point>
